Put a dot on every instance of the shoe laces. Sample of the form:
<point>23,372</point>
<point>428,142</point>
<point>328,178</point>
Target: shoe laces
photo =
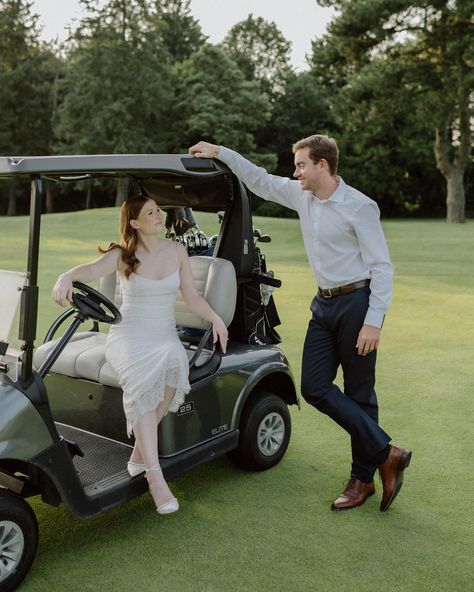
<point>351,484</point>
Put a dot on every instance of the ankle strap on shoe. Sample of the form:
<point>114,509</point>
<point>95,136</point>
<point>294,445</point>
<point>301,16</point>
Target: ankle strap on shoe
<point>154,468</point>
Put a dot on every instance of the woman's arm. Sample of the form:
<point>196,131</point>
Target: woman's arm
<point>62,289</point>
<point>196,303</point>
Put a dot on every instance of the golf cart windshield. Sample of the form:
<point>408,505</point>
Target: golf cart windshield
<point>12,283</point>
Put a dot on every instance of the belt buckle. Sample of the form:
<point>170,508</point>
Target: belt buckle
<point>329,293</point>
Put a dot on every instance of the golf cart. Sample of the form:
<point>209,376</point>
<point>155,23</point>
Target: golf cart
<point>62,427</point>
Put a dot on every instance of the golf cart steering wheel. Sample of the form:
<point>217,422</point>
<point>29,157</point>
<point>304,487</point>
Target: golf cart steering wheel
<point>95,305</point>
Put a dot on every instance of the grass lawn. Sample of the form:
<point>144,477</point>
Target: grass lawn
<point>274,531</point>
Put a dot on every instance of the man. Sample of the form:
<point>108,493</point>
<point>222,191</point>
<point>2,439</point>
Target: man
<point>349,258</point>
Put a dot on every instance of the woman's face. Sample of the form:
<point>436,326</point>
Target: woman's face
<point>150,219</point>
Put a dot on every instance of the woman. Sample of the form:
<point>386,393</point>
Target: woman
<point>144,349</point>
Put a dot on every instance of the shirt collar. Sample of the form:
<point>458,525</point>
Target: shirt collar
<point>338,195</point>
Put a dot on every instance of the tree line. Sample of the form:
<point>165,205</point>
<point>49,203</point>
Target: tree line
<point>391,80</point>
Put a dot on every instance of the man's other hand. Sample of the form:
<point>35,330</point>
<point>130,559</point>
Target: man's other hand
<point>368,340</point>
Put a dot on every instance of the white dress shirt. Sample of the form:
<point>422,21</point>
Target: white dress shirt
<point>342,235</point>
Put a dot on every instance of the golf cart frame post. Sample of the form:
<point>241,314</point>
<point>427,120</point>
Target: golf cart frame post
<point>29,300</point>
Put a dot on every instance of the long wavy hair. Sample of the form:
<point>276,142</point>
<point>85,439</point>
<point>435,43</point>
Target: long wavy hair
<point>130,210</point>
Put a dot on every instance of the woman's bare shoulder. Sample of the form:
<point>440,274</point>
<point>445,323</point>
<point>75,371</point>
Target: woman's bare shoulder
<point>181,251</point>
<point>114,256</point>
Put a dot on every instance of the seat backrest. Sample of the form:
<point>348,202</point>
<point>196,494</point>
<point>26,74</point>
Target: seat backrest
<point>215,280</point>
<point>109,286</point>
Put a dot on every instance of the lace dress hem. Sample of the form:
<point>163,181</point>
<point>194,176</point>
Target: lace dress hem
<point>152,397</point>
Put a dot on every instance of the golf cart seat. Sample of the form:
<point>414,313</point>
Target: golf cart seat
<point>84,356</point>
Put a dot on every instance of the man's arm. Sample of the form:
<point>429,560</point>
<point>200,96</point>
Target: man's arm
<point>270,187</point>
<point>374,252</point>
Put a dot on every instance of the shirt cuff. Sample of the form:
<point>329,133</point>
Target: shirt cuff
<point>374,318</point>
<point>224,154</point>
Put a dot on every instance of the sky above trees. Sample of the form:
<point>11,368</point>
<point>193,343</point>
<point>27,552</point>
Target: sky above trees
<point>300,21</point>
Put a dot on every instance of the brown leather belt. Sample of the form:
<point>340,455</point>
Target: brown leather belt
<point>346,289</point>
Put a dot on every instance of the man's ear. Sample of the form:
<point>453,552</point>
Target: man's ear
<point>134,224</point>
<point>324,163</point>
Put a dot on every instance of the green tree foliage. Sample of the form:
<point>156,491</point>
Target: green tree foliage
<point>261,52</point>
<point>303,109</point>
<point>392,80</point>
<point>399,68</point>
<point>386,146</point>
<point>181,32</point>
<point>118,87</point>
<point>118,83</point>
<point>216,103</point>
<point>263,55</point>
<point>27,73</point>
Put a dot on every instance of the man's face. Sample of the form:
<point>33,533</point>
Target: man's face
<point>306,171</point>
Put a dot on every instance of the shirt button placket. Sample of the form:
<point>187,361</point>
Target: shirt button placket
<point>316,223</point>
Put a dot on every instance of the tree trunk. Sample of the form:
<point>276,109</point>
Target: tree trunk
<point>122,190</point>
<point>456,200</point>
<point>89,196</point>
<point>454,175</point>
<point>11,201</point>
<point>49,199</point>
<point>453,170</point>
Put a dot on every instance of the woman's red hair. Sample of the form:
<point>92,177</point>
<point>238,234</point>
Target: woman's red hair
<point>130,210</point>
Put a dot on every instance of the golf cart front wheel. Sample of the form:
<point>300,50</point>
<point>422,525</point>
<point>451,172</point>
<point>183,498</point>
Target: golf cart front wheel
<point>18,539</point>
<point>265,429</point>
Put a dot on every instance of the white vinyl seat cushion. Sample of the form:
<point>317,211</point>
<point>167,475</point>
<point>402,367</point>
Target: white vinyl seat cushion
<point>84,356</point>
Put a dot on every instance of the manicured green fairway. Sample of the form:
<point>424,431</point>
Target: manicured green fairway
<point>273,531</point>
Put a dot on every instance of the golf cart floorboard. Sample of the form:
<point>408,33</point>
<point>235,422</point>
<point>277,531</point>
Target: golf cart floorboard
<point>104,463</point>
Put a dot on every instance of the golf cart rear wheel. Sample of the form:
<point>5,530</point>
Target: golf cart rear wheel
<point>265,429</point>
<point>18,539</point>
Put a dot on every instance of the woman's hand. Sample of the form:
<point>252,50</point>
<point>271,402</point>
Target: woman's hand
<point>219,332</point>
<point>62,290</point>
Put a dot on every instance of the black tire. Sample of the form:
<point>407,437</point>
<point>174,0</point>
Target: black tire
<point>18,539</point>
<point>260,450</point>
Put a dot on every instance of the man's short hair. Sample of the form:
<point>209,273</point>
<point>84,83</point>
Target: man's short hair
<point>320,147</point>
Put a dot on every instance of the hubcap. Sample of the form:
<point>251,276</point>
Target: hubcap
<point>271,432</point>
<point>12,543</point>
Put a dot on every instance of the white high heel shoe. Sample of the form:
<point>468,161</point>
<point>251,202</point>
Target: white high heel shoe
<point>171,505</point>
<point>135,469</point>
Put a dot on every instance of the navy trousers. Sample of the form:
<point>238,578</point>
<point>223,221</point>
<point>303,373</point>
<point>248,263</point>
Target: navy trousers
<point>331,342</point>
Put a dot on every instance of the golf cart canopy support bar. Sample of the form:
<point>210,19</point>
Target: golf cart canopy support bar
<point>29,297</point>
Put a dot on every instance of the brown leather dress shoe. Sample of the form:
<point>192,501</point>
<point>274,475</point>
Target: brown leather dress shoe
<point>391,472</point>
<point>354,494</point>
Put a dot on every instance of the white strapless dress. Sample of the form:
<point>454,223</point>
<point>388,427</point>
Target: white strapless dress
<point>144,348</point>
